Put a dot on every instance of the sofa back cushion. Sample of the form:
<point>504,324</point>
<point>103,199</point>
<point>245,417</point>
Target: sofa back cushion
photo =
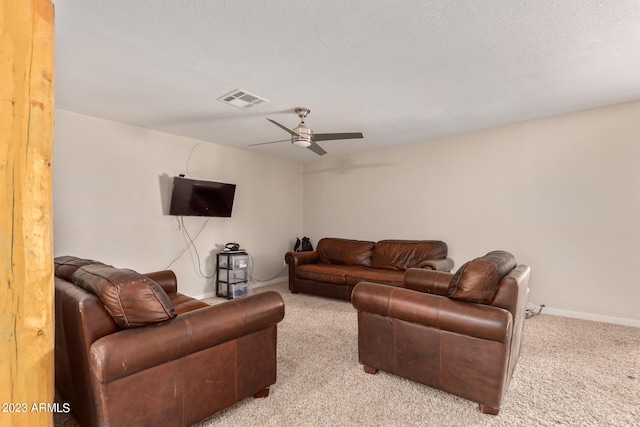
<point>132,299</point>
<point>66,265</point>
<point>403,254</point>
<point>345,251</point>
<point>478,280</point>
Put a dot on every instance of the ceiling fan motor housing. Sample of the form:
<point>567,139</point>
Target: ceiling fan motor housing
<point>304,137</point>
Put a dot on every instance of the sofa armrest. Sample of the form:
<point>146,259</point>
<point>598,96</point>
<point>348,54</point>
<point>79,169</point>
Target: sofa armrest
<point>427,281</point>
<point>295,259</point>
<point>513,290</point>
<point>166,279</point>
<point>133,350</point>
<point>475,320</point>
<point>445,264</point>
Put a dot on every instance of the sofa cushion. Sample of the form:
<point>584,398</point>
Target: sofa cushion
<point>478,280</point>
<point>376,275</point>
<point>345,251</point>
<point>403,254</point>
<point>132,299</point>
<point>66,265</point>
<point>184,303</point>
<point>326,273</point>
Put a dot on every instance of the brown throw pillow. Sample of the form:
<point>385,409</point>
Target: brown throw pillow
<point>477,280</point>
<point>66,265</point>
<point>132,299</point>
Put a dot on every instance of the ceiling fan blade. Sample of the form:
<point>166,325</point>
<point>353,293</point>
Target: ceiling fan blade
<point>317,149</point>
<point>283,127</point>
<point>330,136</point>
<point>270,142</point>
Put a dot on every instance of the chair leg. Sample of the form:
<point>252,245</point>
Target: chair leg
<point>370,370</point>
<point>262,393</point>
<point>489,410</point>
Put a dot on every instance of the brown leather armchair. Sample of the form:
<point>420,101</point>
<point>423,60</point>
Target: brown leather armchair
<point>133,351</point>
<point>460,333</point>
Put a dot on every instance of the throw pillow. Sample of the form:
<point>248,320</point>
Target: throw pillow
<point>66,265</point>
<point>477,280</point>
<point>132,299</point>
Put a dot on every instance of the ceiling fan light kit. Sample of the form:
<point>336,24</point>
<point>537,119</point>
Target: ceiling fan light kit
<point>302,136</point>
<point>300,142</point>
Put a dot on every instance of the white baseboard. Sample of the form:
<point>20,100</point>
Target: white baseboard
<point>593,317</point>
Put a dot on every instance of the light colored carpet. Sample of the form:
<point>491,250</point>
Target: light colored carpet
<point>570,373</point>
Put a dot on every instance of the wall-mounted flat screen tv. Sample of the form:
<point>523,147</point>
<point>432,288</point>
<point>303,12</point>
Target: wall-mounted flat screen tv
<point>191,197</point>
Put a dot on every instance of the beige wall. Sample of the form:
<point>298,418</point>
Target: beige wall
<point>560,193</point>
<point>111,189</point>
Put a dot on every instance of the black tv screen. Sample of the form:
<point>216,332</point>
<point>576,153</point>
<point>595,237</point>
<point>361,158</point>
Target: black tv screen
<point>191,197</point>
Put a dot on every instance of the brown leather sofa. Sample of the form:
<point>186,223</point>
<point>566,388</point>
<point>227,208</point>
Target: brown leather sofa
<point>132,351</point>
<point>460,333</point>
<point>337,265</point>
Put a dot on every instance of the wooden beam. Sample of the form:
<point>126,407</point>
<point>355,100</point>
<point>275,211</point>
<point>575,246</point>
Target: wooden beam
<point>26,243</point>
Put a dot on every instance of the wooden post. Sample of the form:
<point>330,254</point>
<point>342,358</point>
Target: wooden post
<point>26,245</point>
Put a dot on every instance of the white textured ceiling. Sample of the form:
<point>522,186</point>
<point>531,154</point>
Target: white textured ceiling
<point>397,71</point>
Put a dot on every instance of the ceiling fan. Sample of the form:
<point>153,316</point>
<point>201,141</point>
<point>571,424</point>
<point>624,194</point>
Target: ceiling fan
<point>302,136</point>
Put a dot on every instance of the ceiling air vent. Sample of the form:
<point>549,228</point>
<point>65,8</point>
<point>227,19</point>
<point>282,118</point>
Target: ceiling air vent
<point>242,99</point>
